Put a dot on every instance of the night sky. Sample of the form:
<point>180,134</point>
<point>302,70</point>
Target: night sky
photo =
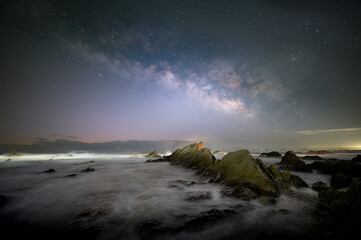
<point>254,74</point>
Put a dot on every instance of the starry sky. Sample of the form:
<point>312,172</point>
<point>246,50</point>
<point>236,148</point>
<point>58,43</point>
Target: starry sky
<point>257,74</point>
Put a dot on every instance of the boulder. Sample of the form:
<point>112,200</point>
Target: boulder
<point>340,180</point>
<point>153,154</point>
<point>292,162</point>
<point>270,154</point>
<point>319,186</point>
<point>50,170</point>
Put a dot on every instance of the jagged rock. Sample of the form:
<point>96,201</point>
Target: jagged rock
<point>193,155</point>
<point>50,170</point>
<point>319,186</point>
<point>347,167</point>
<point>3,200</point>
<point>286,178</point>
<point>292,162</point>
<point>198,196</point>
<point>340,180</point>
<point>247,175</point>
<point>88,169</point>
<point>153,154</point>
<point>312,157</point>
<point>270,154</point>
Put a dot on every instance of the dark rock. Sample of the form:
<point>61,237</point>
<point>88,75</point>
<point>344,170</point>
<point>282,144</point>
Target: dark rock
<point>319,186</point>
<point>153,154</point>
<point>347,167</point>
<point>3,200</point>
<point>357,158</point>
<point>340,180</point>
<point>8,160</point>
<point>270,154</point>
<point>292,162</point>
<point>88,169</point>
<point>71,175</point>
<point>314,157</point>
<point>198,196</point>
<point>50,171</point>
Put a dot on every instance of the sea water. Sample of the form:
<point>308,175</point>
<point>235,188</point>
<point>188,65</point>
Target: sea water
<point>123,192</point>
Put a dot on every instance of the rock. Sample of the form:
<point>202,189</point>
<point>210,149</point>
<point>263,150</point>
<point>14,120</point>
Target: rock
<point>240,170</point>
<point>357,158</point>
<point>153,154</point>
<point>191,196</point>
<point>50,171</point>
<point>193,155</point>
<point>340,180</point>
<point>239,192</point>
<point>8,160</point>
<point>3,200</point>
<point>71,175</point>
<point>286,178</point>
<point>319,186</point>
<point>270,154</point>
<point>218,152</point>
<point>312,157</point>
<point>347,167</point>
<point>292,162</point>
<point>161,159</point>
<point>88,169</point>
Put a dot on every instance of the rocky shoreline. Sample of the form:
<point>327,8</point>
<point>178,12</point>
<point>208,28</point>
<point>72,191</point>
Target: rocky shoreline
<point>338,212</point>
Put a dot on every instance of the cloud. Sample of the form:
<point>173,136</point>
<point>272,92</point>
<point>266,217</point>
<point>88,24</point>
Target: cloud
<point>312,132</point>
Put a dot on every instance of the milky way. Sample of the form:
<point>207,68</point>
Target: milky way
<point>255,74</point>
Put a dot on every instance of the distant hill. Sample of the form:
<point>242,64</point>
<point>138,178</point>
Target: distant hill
<point>64,145</point>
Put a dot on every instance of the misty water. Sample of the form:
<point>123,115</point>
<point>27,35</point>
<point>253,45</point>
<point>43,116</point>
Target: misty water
<point>123,193</point>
